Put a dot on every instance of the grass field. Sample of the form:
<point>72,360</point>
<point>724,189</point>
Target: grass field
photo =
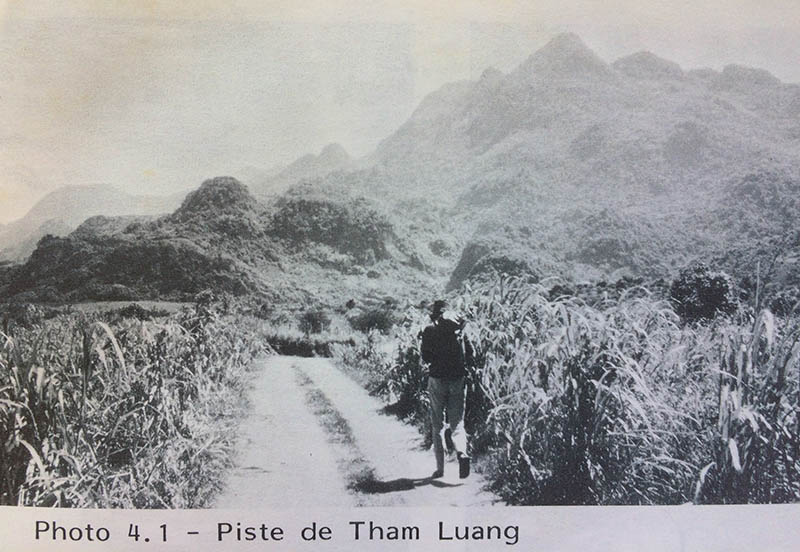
<point>616,403</point>
<point>108,410</point>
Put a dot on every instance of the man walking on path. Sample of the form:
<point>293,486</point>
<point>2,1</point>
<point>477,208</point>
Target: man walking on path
<point>442,349</point>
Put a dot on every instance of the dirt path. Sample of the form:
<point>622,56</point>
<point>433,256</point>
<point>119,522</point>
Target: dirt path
<point>278,453</point>
<point>315,438</point>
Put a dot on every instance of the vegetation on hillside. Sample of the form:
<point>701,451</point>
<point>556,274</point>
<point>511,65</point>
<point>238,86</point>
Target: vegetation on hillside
<point>222,238</point>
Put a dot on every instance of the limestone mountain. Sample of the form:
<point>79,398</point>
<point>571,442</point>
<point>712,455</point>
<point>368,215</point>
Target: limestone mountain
<point>223,238</point>
<point>596,168</point>
<point>61,211</point>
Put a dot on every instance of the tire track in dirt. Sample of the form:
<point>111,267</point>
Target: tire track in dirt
<point>351,462</point>
<point>282,451</point>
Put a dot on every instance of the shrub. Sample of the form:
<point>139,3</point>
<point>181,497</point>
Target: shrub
<point>314,322</point>
<point>407,383</point>
<point>381,319</point>
<point>135,310</point>
<point>785,302</point>
<point>701,294</point>
<point>364,362</point>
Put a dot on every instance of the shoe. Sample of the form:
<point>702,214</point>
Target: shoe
<point>463,466</point>
<point>437,474</point>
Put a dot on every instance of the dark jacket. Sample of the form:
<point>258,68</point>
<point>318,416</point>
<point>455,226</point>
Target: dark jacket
<point>444,349</point>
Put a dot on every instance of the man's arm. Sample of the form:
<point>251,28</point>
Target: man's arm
<point>426,348</point>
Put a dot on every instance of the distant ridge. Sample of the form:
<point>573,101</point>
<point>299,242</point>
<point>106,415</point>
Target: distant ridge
<point>63,209</point>
<point>333,157</point>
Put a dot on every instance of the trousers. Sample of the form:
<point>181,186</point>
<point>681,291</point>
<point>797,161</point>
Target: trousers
<point>447,396</point>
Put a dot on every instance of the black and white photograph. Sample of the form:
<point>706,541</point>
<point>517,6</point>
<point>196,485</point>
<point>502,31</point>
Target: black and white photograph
<point>449,256</point>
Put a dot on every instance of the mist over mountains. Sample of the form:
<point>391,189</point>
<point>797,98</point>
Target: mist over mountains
<point>333,157</point>
<point>566,166</point>
<point>61,211</point>
<point>564,119</point>
<point>597,169</point>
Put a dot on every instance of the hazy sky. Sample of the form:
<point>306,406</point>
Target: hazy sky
<point>155,98</point>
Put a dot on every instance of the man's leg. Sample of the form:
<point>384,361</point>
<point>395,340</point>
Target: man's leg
<point>456,399</point>
<point>448,439</point>
<point>455,414</point>
<point>437,395</point>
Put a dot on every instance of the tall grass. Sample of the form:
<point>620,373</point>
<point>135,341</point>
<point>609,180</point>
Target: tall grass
<point>619,402</point>
<point>572,396</point>
<point>135,414</point>
<point>755,455</point>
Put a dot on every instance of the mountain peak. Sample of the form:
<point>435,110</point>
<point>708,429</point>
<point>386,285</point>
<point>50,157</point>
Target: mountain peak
<point>566,41</point>
<point>334,153</point>
<point>222,193</point>
<point>565,55</point>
